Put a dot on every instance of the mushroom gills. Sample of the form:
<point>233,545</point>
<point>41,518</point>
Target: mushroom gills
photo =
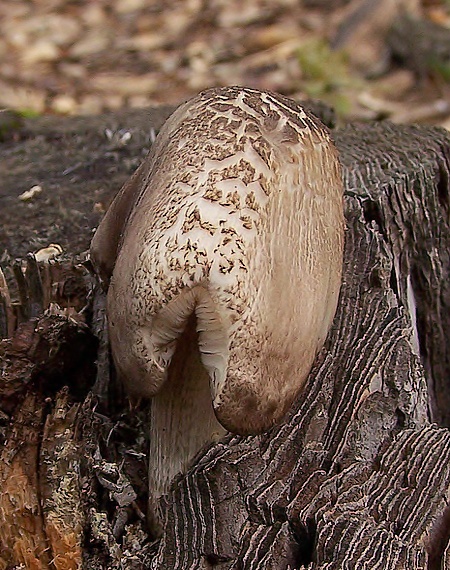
<point>169,323</point>
<point>190,342</point>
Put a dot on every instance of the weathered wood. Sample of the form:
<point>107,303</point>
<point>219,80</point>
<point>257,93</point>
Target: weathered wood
<point>41,520</point>
<point>357,476</point>
<point>60,485</point>
<point>22,535</point>
<point>7,317</point>
<point>41,516</point>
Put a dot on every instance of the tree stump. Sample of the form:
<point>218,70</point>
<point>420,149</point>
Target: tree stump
<point>358,474</point>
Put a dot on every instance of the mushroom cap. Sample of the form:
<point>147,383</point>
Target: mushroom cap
<point>107,240</point>
<point>236,217</point>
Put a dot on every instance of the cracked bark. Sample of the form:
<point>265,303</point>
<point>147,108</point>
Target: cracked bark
<point>358,474</point>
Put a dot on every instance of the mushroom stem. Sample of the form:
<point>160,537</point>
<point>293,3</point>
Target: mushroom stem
<point>182,419</point>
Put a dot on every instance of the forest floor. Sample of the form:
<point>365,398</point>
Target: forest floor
<point>89,56</point>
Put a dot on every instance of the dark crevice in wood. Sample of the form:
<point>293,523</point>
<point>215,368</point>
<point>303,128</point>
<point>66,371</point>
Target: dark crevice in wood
<point>443,184</point>
<point>305,535</point>
<point>22,287</point>
<point>103,361</point>
<point>439,541</point>
<point>3,320</point>
<point>401,418</point>
<point>432,335</point>
<point>373,214</point>
<point>393,282</point>
<point>215,560</point>
<point>420,286</point>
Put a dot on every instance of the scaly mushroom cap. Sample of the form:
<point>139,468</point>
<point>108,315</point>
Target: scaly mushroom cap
<point>236,216</point>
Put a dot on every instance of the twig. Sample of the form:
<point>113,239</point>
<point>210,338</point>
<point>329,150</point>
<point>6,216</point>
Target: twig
<point>7,317</point>
<point>35,289</point>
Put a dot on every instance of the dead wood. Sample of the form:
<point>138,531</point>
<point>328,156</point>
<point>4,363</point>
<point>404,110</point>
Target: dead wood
<point>49,346</point>
<point>357,475</point>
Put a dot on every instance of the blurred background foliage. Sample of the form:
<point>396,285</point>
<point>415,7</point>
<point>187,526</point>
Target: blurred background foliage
<point>369,59</point>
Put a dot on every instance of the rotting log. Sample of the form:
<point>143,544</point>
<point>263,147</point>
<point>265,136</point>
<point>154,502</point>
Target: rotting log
<point>41,514</point>
<point>358,475</point>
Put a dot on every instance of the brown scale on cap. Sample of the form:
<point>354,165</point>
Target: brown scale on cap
<point>225,255</point>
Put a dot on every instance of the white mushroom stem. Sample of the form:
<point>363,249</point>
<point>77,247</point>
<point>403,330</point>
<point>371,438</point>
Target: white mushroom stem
<point>182,418</point>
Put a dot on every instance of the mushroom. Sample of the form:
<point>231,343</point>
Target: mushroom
<point>225,251</point>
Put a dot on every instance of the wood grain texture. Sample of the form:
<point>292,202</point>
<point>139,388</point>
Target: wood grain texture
<point>60,485</point>
<point>41,517</point>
